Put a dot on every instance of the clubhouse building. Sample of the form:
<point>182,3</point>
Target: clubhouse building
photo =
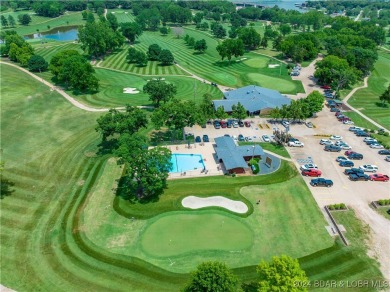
<point>235,158</point>
<point>255,99</point>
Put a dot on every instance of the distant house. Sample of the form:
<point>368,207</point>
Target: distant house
<point>255,99</point>
<point>235,157</point>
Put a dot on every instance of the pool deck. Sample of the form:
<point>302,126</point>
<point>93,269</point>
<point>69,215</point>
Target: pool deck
<point>207,151</point>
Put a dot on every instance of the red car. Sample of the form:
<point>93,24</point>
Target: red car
<point>337,114</point>
<point>312,172</point>
<point>343,119</point>
<point>326,87</point>
<point>379,177</point>
<point>348,152</point>
<point>247,124</point>
<point>223,124</point>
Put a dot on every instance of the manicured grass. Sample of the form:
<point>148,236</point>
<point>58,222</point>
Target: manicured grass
<point>273,147</point>
<point>209,65</point>
<point>49,50</point>
<point>192,232</point>
<point>367,100</point>
<point>112,84</point>
<point>41,23</point>
<point>122,15</point>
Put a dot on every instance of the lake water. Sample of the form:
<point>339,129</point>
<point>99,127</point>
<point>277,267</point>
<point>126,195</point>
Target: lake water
<point>68,33</point>
<point>285,4</point>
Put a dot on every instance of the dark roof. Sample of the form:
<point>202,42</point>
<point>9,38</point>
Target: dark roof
<point>233,155</point>
<point>253,98</point>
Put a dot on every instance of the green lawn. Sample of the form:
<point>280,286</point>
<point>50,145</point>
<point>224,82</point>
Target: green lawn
<point>42,23</point>
<point>61,183</point>
<point>383,211</point>
<point>367,100</point>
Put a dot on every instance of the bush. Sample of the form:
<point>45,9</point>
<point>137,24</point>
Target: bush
<point>340,206</point>
<point>330,207</point>
<point>372,131</point>
<point>384,202</point>
<point>343,206</point>
<point>233,174</point>
<point>386,134</point>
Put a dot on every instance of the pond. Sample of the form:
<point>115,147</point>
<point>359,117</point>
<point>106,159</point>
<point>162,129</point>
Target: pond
<point>66,33</point>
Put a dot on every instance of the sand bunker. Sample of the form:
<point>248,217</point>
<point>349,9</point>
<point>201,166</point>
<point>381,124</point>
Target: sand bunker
<point>273,65</point>
<point>193,202</point>
<point>130,90</point>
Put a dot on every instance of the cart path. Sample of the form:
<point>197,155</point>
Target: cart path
<point>64,94</point>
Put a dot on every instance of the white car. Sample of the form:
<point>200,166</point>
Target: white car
<point>335,137</point>
<point>235,124</point>
<point>309,166</point>
<point>369,139</point>
<point>325,142</point>
<point>266,138</point>
<point>341,158</point>
<point>369,168</point>
<point>348,123</point>
<point>339,142</point>
<point>286,124</point>
<point>295,144</point>
<point>345,146</point>
<point>355,129</point>
<point>376,146</point>
<point>387,158</point>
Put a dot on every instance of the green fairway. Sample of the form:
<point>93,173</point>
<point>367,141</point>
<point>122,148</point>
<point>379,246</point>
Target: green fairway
<point>193,232</point>
<point>367,100</point>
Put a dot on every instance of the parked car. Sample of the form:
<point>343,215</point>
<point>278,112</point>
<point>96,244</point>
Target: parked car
<point>308,166</point>
<point>229,123</point>
<point>376,146</point>
<point>369,168</point>
<point>353,129</point>
<point>266,138</point>
<point>349,171</point>
<point>344,119</point>
<point>332,148</point>
<point>347,163</point>
<point>223,124</point>
<point>384,152</point>
<point>295,144</point>
<point>338,114</point>
<point>371,142</point>
<point>326,87</point>
<point>356,156</point>
<point>206,138</point>
<point>362,134</point>
<point>241,137</point>
<point>369,139</point>
<point>321,182</point>
<point>241,123</point>
<point>325,142</point>
<point>349,152</point>
<point>198,139</point>
<point>247,124</point>
<point>358,176</point>
<point>341,158</point>
<point>235,124</point>
<point>334,110</point>
<point>285,124</point>
<point>217,125</point>
<point>309,124</point>
<point>379,177</point>
<point>345,146</point>
<point>348,122</point>
<point>311,172</point>
<point>336,137</point>
<point>292,139</point>
<point>387,158</point>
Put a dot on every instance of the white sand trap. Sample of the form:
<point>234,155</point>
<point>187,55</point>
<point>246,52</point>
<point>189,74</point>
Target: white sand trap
<point>130,90</point>
<point>193,202</point>
<point>273,65</point>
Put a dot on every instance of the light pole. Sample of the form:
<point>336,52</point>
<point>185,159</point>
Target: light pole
<point>253,151</point>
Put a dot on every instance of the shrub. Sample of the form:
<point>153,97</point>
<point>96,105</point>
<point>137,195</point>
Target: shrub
<point>257,159</point>
<point>386,134</point>
<point>330,207</point>
<point>372,131</point>
<point>343,206</point>
<point>233,174</point>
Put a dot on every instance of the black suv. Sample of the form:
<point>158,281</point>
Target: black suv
<point>355,155</point>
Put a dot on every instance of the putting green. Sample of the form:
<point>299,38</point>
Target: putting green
<point>180,233</point>
<point>225,78</point>
<point>257,62</point>
<point>272,82</point>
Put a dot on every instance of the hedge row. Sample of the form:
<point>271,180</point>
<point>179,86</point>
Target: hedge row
<point>341,206</point>
<point>384,202</point>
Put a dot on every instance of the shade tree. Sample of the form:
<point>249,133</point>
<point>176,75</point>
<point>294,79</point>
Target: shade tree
<point>238,111</point>
<point>24,19</point>
<point>200,46</point>
<point>154,51</point>
<point>159,91</point>
<point>37,63</point>
<point>250,37</point>
<point>131,31</point>
<point>166,57</point>
<point>385,96</point>
<point>229,48</point>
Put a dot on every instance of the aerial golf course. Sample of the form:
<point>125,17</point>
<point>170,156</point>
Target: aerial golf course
<point>64,225</point>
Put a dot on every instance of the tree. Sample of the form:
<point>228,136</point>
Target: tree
<point>200,46</point>
<point>385,96</point>
<point>11,21</point>
<point>58,59</point>
<point>166,57</point>
<point>206,107</point>
<point>146,169</point>
<point>84,14</point>
<point>276,44</point>
<point>4,21</point>
<point>24,19</point>
<point>164,30</point>
<point>314,103</point>
<point>239,111</point>
<point>131,30</point>
<point>220,113</point>
<point>175,115</point>
<point>285,29</point>
<point>191,41</point>
<point>204,26</point>
<point>212,277</point>
<point>37,64</point>
<point>118,123</point>
<point>131,55</point>
<point>159,91</point>
<point>90,17</point>
<point>113,21</point>
<point>141,59</point>
<point>249,36</point>
<point>264,42</point>
<point>230,47</point>
<point>154,52</point>
<point>281,274</point>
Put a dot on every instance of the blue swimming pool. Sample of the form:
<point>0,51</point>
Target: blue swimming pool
<point>186,162</point>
